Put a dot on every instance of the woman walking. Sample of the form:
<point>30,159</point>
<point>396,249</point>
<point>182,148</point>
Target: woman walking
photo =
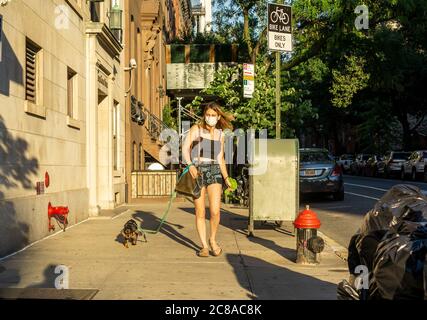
<point>203,150</point>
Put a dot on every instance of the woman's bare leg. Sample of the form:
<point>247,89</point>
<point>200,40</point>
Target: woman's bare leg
<point>214,195</point>
<point>199,205</point>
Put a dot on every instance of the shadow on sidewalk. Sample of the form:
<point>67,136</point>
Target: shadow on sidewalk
<point>49,278</point>
<point>149,221</point>
<point>238,224</point>
<point>272,282</point>
<point>9,277</point>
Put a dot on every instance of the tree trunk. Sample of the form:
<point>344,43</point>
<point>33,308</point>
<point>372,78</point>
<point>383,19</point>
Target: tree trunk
<point>246,31</point>
<point>406,139</point>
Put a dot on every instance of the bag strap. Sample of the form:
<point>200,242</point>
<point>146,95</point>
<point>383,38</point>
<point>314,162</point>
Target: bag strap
<point>198,144</point>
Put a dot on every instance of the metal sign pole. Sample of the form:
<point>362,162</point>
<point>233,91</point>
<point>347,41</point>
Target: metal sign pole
<point>278,91</point>
<point>278,96</point>
<point>279,40</point>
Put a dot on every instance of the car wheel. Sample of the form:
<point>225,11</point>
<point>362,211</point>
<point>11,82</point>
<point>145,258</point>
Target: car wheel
<point>339,196</point>
<point>414,174</point>
<point>425,174</point>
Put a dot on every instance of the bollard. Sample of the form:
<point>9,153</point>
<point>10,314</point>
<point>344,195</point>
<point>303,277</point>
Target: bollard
<point>309,245</point>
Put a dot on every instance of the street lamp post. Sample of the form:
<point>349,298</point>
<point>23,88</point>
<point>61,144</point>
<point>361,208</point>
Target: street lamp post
<point>179,115</point>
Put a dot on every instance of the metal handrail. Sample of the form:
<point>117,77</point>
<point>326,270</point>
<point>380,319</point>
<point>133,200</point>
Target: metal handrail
<point>189,114</point>
<point>154,125</point>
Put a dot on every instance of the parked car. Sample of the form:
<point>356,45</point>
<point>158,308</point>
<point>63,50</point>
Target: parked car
<point>370,168</point>
<point>414,166</point>
<point>319,173</point>
<point>391,165</point>
<point>359,163</point>
<point>345,162</point>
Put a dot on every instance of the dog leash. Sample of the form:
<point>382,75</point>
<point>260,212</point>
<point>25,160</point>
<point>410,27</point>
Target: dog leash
<point>171,199</point>
<point>163,220</point>
<point>165,214</point>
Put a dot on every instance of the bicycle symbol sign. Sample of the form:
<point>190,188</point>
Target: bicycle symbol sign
<point>279,27</point>
<point>279,15</point>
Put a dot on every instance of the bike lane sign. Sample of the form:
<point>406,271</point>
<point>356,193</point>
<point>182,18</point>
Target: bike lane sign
<point>279,27</point>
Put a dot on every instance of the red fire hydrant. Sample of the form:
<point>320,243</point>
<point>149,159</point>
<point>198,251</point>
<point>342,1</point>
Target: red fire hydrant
<point>59,213</point>
<point>309,245</point>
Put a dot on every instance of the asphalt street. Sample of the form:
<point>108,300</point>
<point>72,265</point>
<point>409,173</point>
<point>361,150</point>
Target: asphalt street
<point>341,219</point>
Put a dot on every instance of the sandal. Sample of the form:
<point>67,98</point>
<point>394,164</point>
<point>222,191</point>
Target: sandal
<point>204,252</point>
<point>216,252</point>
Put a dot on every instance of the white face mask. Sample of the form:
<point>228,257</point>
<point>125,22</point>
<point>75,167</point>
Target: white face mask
<point>211,120</point>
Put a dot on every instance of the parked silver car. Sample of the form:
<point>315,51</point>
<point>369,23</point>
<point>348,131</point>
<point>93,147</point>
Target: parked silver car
<point>414,166</point>
<point>359,163</point>
<point>345,162</point>
<point>392,163</point>
<point>319,173</point>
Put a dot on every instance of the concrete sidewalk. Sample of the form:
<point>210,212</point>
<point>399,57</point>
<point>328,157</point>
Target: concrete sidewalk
<point>167,267</point>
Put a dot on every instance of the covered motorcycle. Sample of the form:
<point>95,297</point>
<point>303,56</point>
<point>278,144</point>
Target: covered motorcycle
<point>391,243</point>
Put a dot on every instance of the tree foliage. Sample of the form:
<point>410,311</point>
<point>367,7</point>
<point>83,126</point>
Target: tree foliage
<point>337,76</point>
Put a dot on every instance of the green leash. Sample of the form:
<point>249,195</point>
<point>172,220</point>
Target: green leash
<point>172,198</point>
<point>163,220</point>
<point>165,214</point>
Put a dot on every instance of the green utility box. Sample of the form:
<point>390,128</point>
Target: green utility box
<point>274,181</point>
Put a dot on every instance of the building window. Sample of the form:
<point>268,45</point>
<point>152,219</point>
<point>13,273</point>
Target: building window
<point>95,11</point>
<point>72,96</point>
<point>140,157</point>
<point>33,77</point>
<point>116,111</point>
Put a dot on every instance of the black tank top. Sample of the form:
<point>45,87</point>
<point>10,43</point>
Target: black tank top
<point>208,148</point>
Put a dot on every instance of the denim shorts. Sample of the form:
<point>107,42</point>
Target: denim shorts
<point>210,173</point>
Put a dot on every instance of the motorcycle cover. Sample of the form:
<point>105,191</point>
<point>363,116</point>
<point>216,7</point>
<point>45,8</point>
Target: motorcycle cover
<point>398,270</point>
<point>401,202</point>
<point>392,243</point>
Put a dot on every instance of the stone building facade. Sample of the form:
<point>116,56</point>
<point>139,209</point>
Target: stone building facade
<point>62,114</point>
<point>148,27</point>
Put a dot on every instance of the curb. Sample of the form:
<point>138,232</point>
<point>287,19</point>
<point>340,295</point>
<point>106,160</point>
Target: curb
<point>338,249</point>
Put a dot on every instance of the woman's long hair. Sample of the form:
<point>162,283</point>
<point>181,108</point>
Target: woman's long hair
<point>224,121</point>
